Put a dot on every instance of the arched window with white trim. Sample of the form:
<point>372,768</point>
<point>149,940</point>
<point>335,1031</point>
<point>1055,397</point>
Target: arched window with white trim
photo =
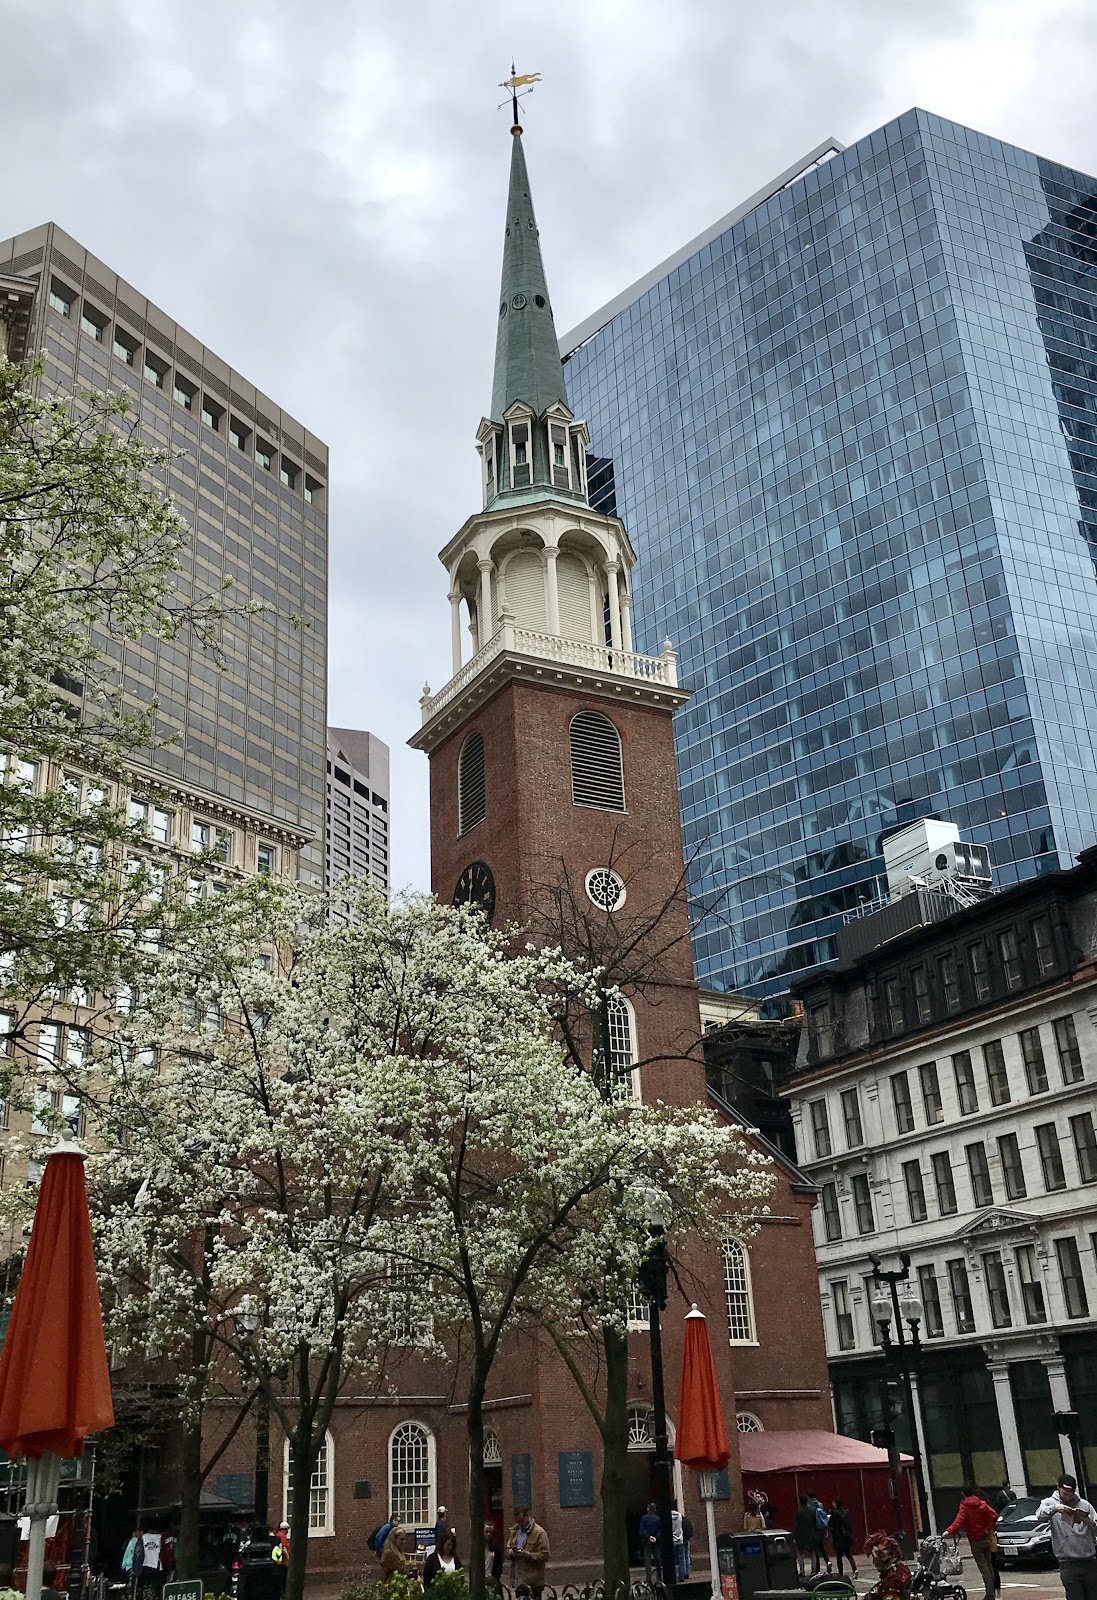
<point>641,1435</point>
<point>493,1454</point>
<point>747,1422</point>
<point>472,803</point>
<point>738,1294</point>
<point>639,1308</point>
<point>621,1030</point>
<point>321,1489</point>
<point>413,1496</point>
<point>597,769</point>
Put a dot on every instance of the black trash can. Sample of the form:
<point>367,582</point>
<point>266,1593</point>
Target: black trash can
<point>763,1562</point>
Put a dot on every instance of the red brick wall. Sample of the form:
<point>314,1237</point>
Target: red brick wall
<point>532,827</point>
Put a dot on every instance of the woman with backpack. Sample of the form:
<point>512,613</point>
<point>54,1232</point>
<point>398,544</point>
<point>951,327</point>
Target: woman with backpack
<point>806,1537</point>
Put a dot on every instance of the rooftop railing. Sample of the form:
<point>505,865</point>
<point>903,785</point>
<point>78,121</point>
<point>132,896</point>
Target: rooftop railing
<point>589,657</point>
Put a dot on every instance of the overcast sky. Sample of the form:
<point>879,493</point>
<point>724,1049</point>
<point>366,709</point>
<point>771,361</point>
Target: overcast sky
<point>316,188</point>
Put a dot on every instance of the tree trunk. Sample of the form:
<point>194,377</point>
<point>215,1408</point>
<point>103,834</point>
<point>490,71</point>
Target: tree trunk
<point>615,1553</point>
<point>187,1552</point>
<point>303,1463</point>
<point>477,1386</point>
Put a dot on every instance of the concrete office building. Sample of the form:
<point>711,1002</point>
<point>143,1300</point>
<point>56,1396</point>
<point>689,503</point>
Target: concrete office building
<point>243,777</point>
<point>357,831</point>
<point>251,482</point>
<point>851,429</point>
<point>944,1103</point>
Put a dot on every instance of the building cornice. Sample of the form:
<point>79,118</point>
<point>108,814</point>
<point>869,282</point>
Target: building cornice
<point>218,806</point>
<point>890,1053</point>
<point>513,666</point>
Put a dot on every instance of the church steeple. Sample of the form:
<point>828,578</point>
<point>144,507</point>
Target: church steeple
<point>531,444</point>
<point>540,576</point>
<point>527,353</point>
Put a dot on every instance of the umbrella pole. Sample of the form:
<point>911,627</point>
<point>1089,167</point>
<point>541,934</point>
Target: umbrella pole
<point>707,1486</point>
<point>713,1558</point>
<point>43,1477</point>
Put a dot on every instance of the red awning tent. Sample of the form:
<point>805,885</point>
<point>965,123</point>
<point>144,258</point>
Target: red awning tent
<point>785,1465</point>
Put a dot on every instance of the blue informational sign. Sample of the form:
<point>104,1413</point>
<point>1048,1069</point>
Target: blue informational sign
<point>521,1481</point>
<point>576,1478</point>
<point>239,1487</point>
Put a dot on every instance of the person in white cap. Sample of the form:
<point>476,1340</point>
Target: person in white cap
<point>1072,1523</point>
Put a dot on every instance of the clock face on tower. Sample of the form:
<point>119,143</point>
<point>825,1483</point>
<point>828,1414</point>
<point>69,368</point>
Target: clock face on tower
<point>476,886</point>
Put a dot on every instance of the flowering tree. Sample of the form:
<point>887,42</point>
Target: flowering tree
<point>90,551</point>
<point>321,1133</point>
<point>241,1196</point>
<point>522,1167</point>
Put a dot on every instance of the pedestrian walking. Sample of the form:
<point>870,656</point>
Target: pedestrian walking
<point>151,1576</point>
<point>528,1551</point>
<point>133,1560</point>
<point>650,1529</point>
<point>841,1536</point>
<point>376,1540</point>
<point>493,1559</point>
<point>1004,1499</point>
<point>441,1526</point>
<point>687,1540</point>
<point>397,1557</point>
<point>678,1539</point>
<point>753,1520</point>
<point>978,1519</point>
<point>806,1538</point>
<point>822,1528</point>
<point>443,1558</point>
<point>766,1508</point>
<point>1072,1523</point>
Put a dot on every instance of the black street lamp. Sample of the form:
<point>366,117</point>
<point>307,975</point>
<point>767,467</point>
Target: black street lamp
<point>902,1353</point>
<point>249,1322</point>
<point>653,1282</point>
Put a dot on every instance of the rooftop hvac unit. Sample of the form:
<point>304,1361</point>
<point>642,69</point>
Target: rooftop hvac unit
<point>928,853</point>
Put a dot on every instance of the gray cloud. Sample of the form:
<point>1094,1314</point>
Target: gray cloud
<point>316,191</point>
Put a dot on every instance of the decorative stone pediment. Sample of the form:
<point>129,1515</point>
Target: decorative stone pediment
<point>996,1219</point>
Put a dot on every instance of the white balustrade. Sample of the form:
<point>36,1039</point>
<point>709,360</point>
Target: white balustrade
<point>661,669</point>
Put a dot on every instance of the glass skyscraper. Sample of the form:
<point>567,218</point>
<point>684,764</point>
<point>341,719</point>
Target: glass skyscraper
<point>853,435</point>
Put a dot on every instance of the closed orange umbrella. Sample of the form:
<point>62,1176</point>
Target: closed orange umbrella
<point>54,1382</point>
<point>700,1441</point>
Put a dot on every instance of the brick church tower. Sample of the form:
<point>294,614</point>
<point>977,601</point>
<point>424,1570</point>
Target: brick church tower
<point>551,749</point>
<point>552,773</point>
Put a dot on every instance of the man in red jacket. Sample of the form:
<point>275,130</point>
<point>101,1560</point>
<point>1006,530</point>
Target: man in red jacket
<point>977,1520</point>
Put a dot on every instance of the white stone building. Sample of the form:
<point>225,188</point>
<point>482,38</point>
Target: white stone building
<point>944,1101</point>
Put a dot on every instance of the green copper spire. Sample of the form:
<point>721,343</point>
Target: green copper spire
<point>527,353</point>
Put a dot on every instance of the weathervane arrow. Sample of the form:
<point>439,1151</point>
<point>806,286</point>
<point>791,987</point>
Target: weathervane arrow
<point>523,81</point>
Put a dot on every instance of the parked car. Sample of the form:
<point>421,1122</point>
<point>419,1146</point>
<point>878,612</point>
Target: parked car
<point>1017,1537</point>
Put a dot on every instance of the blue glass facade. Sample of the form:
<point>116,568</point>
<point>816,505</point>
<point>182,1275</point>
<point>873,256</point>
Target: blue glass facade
<point>854,440</point>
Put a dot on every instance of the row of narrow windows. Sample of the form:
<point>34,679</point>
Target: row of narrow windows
<point>597,770</point>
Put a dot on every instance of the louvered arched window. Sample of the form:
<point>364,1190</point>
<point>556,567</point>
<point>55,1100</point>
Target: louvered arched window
<point>471,793</point>
<point>597,772</point>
